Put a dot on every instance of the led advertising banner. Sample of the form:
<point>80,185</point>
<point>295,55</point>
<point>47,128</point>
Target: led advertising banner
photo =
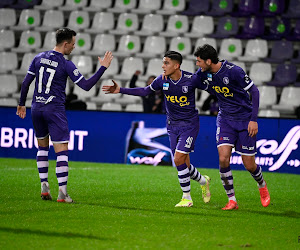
<point>137,138</point>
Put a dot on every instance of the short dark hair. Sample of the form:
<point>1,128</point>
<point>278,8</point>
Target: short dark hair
<point>174,55</point>
<point>64,34</point>
<point>207,52</point>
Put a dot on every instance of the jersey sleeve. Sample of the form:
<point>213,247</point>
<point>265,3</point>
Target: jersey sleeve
<point>198,80</point>
<point>242,78</point>
<point>31,69</point>
<point>73,72</point>
<point>157,83</point>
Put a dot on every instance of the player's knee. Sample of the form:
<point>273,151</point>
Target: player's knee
<point>178,161</point>
<point>224,160</point>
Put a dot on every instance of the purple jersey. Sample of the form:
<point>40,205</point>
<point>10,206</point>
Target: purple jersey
<point>179,97</point>
<point>229,85</point>
<point>51,71</point>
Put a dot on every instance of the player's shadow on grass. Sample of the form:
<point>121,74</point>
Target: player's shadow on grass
<point>289,214</point>
<point>53,234</point>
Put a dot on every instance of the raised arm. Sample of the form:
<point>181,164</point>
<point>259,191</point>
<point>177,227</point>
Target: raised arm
<point>89,83</point>
<point>114,89</point>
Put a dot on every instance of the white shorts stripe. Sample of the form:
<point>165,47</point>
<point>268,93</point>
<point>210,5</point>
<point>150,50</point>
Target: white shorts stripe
<point>245,153</point>
<point>183,152</point>
<point>222,144</point>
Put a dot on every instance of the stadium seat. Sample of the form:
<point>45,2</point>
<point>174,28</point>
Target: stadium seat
<point>82,94</point>
<point>147,6</point>
<point>29,41</point>
<point>280,28</point>
<point>297,59</point>
<point>127,22</point>
<point>260,72</point>
<point>111,107</point>
<point>83,63</point>
<point>188,65</point>
<point>49,41</point>
<point>8,61</point>
<point>8,102</point>
<point>227,26</point>
<point>26,61</point>
<point>177,25</point>
<point>71,5</point>
<point>181,45</point>
<point>295,33</point>
<point>48,5</point>
<point>29,18</point>
<point>268,113</point>
<point>152,23</point>
<point>254,28</point>
<point>129,66</point>
<point>171,7</point>
<point>220,7</point>
<point>256,49</point>
<point>272,8</point>
<point>53,19</point>
<point>29,94</point>
<point>6,3</point>
<point>267,96</point>
<point>247,8</point>
<point>79,20</point>
<point>91,106</point>
<point>102,21</point>
<point>8,84</point>
<point>8,18</point>
<point>128,45</point>
<point>128,99</point>
<point>83,43</point>
<point>122,6</point>
<point>197,8</point>
<point>200,42</point>
<point>98,5</point>
<point>281,51</point>
<point>153,46</point>
<point>230,48</point>
<point>154,67</point>
<point>21,4</point>
<point>289,100</point>
<point>285,74</point>
<point>203,97</point>
<point>7,39</point>
<point>201,26</point>
<point>102,97</point>
<point>134,107</point>
<point>293,10</point>
<point>102,43</point>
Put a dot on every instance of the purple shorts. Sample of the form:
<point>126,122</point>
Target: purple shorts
<point>182,138</point>
<point>235,133</point>
<point>51,123</point>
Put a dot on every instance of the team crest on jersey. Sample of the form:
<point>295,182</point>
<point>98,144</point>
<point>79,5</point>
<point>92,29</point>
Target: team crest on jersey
<point>226,80</point>
<point>247,79</point>
<point>185,89</point>
<point>166,86</point>
<point>209,77</point>
<point>76,72</point>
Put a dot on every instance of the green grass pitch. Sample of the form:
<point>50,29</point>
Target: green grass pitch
<point>132,207</point>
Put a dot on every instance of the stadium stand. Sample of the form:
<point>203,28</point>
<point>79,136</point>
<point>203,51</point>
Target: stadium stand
<point>153,46</point>
<point>227,26</point>
<point>127,22</point>
<point>147,6</point>
<point>102,21</point>
<point>8,17</point>
<point>8,61</point>
<point>260,72</point>
<point>256,49</point>
<point>8,85</point>
<point>102,43</point>
<point>71,5</point>
<point>282,50</point>
<point>29,18</point>
<point>196,8</point>
<point>201,26</point>
<point>177,25</point>
<point>254,27</point>
<point>98,5</point>
<point>7,39</point>
<point>231,48</point>
<point>51,20</point>
<point>134,107</point>
<point>247,8</point>
<point>220,7</point>
<point>285,74</point>
<point>122,6</point>
<point>47,5</point>
<point>170,7</point>
<point>152,23</point>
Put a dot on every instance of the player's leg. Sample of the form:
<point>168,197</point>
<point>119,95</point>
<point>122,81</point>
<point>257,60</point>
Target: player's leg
<point>42,134</point>
<point>226,138</point>
<point>204,180</point>
<point>247,147</point>
<point>59,132</point>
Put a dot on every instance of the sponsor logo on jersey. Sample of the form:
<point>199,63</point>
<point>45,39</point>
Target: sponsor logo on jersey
<point>185,89</point>
<point>166,86</point>
<point>247,79</point>
<point>187,76</point>
<point>209,77</point>
<point>182,100</point>
<point>223,90</point>
<point>76,72</point>
<point>229,66</point>
<point>226,80</point>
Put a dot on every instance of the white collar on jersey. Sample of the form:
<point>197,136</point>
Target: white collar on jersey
<point>178,80</point>
<point>223,63</point>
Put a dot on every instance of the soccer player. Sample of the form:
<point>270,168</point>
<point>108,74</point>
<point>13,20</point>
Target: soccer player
<point>51,71</point>
<point>182,120</point>
<point>237,118</point>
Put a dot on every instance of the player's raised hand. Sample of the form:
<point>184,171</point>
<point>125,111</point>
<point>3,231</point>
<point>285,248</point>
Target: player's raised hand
<point>21,111</point>
<point>111,89</point>
<point>106,59</point>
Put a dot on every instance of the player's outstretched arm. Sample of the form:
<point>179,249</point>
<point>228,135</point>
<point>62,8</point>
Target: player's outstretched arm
<point>114,89</point>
